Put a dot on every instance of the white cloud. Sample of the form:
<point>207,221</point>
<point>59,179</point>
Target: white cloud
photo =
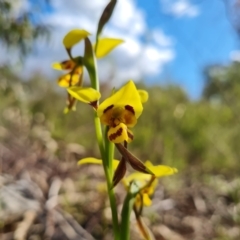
<point>235,56</point>
<point>180,8</point>
<point>132,60</point>
<point>161,38</point>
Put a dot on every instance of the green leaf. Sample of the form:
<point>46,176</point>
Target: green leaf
<point>106,45</point>
<point>74,36</point>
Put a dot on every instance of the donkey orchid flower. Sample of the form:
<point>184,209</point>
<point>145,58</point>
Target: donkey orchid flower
<point>120,111</point>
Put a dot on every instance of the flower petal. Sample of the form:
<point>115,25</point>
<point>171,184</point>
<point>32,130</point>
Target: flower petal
<point>161,170</point>
<point>138,176</point>
<point>64,81</point>
<point>143,95</point>
<point>118,134</point>
<point>126,96</point>
<point>74,36</point>
<point>132,160</point>
<point>146,200</point>
<point>86,95</point>
<point>120,172</point>
<point>106,45</point>
<point>91,160</point>
<point>64,65</point>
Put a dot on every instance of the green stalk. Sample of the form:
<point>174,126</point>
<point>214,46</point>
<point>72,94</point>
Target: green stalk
<point>107,156</point>
<point>110,147</point>
<point>127,209</point>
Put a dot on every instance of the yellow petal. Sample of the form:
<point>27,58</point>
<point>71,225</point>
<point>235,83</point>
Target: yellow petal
<point>106,45</point>
<point>74,36</point>
<point>96,161</point>
<point>146,200</point>
<point>138,176</point>
<point>143,95</point>
<point>125,96</point>
<point>161,170</point>
<point>86,95</point>
<point>64,65</point>
<point>118,134</point>
<point>64,81</point>
<point>138,201</point>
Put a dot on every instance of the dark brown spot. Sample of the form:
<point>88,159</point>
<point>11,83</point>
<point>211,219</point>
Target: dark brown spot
<point>108,108</point>
<point>116,134</point>
<point>94,104</point>
<point>130,109</point>
<point>130,135</point>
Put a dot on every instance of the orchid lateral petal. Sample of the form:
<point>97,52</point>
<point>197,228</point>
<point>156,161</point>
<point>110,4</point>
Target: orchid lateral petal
<point>127,96</point>
<point>86,95</point>
<point>74,36</point>
<point>119,173</point>
<point>161,170</point>
<point>91,160</point>
<point>64,65</point>
<point>143,95</point>
<point>106,45</point>
<point>132,160</point>
<point>107,12</point>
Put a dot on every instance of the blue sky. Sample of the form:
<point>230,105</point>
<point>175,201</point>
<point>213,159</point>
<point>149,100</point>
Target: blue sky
<point>207,38</point>
<point>166,41</point>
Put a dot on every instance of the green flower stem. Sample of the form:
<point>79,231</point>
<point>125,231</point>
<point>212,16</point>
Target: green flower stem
<point>110,147</point>
<point>107,152</point>
<point>98,129</point>
<point>107,155</point>
<point>127,209</point>
<point>112,204</point>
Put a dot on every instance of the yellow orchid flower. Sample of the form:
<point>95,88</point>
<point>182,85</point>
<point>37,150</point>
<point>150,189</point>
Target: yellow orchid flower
<point>147,185</point>
<point>146,182</point>
<point>64,65</point>
<point>120,111</point>
<point>73,77</point>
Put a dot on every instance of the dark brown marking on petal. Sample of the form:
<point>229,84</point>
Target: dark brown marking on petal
<point>130,135</point>
<point>94,104</point>
<point>67,65</point>
<point>116,134</point>
<point>130,109</point>
<point>108,108</point>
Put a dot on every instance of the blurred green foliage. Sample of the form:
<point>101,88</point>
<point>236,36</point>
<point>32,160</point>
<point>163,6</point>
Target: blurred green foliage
<point>200,135</point>
<point>20,25</point>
